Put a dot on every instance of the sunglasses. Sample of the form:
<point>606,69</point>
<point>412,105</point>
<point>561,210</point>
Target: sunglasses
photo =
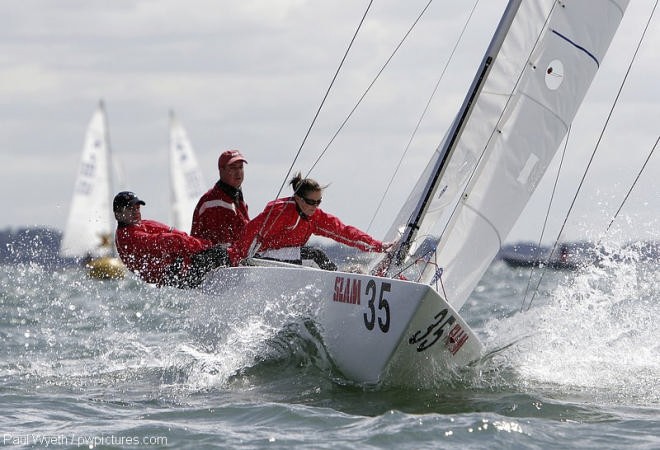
<point>310,202</point>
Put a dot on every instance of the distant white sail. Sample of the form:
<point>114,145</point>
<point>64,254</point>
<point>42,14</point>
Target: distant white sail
<point>186,179</point>
<point>89,227</point>
<point>530,85</point>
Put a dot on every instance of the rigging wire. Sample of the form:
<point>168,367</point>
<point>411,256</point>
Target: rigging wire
<point>614,217</point>
<point>597,146</point>
<point>625,199</point>
<point>254,247</point>
<point>547,215</point>
<point>350,114</point>
<point>421,117</point>
<point>327,92</point>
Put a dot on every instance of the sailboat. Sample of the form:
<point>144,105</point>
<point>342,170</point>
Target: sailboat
<point>569,256</point>
<point>400,321</point>
<point>186,179</point>
<point>89,227</point>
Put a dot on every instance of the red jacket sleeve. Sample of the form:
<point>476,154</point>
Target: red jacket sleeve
<point>331,227</point>
<point>172,241</point>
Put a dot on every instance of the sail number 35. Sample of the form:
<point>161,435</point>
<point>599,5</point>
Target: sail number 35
<point>377,309</point>
<point>349,290</point>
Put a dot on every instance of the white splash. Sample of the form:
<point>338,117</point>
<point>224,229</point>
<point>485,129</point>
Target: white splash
<point>597,335</point>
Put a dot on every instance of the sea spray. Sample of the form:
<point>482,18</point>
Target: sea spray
<point>595,334</point>
<point>233,331</point>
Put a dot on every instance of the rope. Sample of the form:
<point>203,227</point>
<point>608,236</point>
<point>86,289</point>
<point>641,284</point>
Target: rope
<point>536,288</point>
<point>625,199</point>
<point>421,117</point>
<point>255,245</point>
<point>327,92</point>
<point>545,222</point>
<point>370,86</point>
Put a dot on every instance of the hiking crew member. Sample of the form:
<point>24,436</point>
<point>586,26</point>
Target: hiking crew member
<point>221,213</point>
<point>286,224</point>
<point>159,254</point>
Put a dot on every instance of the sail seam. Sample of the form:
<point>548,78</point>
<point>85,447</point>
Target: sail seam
<point>485,219</point>
<point>576,45</point>
<point>554,114</point>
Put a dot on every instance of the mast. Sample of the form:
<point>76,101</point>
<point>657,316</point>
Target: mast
<point>503,140</point>
<point>454,133</point>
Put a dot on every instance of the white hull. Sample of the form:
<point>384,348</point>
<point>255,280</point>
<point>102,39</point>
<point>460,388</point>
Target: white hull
<point>373,328</point>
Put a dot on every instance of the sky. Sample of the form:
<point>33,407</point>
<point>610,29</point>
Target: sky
<point>251,74</point>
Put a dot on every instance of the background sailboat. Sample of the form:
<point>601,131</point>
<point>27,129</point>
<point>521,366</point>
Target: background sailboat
<point>186,179</point>
<point>89,227</point>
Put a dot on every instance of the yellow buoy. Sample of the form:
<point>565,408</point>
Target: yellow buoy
<point>106,268</point>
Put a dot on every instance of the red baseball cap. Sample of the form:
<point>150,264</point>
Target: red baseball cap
<point>230,156</point>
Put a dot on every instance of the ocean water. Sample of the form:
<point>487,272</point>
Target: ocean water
<point>119,364</point>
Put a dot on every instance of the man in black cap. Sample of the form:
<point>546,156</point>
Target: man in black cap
<point>159,254</point>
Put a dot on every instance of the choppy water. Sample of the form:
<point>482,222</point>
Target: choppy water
<point>119,364</point>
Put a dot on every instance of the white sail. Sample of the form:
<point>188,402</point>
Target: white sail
<point>89,227</point>
<point>186,180</point>
<point>526,94</point>
<point>374,328</point>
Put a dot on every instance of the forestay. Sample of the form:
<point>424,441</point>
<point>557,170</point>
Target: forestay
<point>527,91</point>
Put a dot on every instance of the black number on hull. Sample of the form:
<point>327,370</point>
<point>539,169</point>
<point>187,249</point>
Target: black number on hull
<point>383,306</point>
<point>433,332</point>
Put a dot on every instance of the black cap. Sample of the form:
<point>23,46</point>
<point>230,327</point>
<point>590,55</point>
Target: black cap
<point>125,198</point>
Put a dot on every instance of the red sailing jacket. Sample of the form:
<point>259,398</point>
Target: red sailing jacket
<point>150,247</point>
<point>280,225</point>
<point>218,217</point>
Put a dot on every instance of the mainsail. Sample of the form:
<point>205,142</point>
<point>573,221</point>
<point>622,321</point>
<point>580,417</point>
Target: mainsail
<point>525,95</point>
<point>89,227</point>
<point>186,180</point>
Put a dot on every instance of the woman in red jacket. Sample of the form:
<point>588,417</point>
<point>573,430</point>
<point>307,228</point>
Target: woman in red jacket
<point>287,223</point>
<point>158,253</point>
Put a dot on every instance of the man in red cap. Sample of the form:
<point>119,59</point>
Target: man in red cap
<point>221,213</point>
<point>158,253</point>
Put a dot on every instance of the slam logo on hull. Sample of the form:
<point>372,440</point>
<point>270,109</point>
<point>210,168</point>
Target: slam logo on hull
<point>454,338</point>
<point>347,290</point>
